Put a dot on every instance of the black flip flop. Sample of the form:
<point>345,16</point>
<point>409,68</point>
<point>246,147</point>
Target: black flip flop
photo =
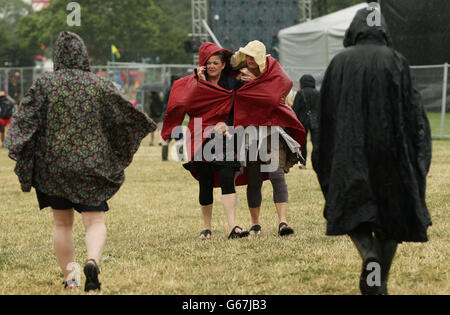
<point>91,271</point>
<point>206,233</point>
<point>286,231</point>
<point>234,234</point>
<point>256,228</point>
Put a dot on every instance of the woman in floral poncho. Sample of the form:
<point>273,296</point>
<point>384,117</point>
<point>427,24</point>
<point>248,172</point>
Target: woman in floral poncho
<point>72,138</point>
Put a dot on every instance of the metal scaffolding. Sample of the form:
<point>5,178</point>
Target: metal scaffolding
<point>305,10</point>
<point>199,14</point>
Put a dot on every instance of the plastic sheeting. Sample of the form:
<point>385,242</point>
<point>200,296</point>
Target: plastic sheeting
<point>419,29</point>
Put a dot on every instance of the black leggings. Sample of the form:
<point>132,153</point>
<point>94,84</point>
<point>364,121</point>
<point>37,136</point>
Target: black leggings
<point>206,181</point>
<point>254,196</point>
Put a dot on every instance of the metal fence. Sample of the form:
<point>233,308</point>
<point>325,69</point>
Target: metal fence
<point>431,81</point>
<point>130,76</point>
<point>433,84</point>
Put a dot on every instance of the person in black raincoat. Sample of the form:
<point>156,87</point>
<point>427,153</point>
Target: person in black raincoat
<point>305,107</point>
<point>373,150</point>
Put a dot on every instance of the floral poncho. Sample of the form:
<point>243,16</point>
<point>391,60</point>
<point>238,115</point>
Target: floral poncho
<point>74,134</point>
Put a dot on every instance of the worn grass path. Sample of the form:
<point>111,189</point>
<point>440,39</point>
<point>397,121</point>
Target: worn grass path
<point>153,245</point>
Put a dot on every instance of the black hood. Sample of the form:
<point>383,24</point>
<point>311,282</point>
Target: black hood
<point>308,81</point>
<point>360,30</point>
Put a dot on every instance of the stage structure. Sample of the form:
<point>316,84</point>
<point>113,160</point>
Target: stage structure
<point>237,22</point>
<point>199,32</point>
<point>305,10</point>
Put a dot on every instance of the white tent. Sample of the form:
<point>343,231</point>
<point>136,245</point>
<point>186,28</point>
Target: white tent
<point>308,48</point>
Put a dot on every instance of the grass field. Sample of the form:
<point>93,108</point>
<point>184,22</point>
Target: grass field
<point>153,245</point>
<point>435,122</point>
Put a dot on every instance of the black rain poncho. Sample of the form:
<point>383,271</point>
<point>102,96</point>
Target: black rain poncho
<point>373,151</point>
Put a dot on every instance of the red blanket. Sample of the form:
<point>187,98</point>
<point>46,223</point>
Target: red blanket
<point>255,104</point>
<point>200,100</point>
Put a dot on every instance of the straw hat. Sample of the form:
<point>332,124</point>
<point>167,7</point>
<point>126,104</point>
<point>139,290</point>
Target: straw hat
<point>254,49</point>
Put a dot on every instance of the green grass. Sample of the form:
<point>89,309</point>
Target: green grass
<point>153,245</point>
<point>435,123</point>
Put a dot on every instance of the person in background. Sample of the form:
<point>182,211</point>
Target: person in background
<point>179,139</point>
<point>72,147</point>
<point>7,105</point>
<point>154,110</point>
<point>305,107</point>
<point>373,150</point>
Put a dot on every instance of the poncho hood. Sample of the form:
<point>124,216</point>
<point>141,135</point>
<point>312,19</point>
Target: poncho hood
<point>360,30</point>
<point>208,49</point>
<point>255,49</point>
<point>70,52</point>
<point>308,81</point>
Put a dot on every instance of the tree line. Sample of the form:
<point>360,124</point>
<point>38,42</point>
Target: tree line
<point>150,30</point>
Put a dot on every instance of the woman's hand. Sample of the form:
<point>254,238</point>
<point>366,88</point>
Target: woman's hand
<point>223,129</point>
<point>164,142</point>
<point>201,73</point>
<point>247,76</point>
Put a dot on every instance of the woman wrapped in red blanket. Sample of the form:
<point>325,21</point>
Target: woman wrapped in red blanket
<point>261,103</point>
<point>207,97</point>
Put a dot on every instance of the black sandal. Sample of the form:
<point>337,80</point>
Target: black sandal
<point>256,229</point>
<point>205,234</point>
<point>91,271</point>
<point>286,231</point>
<point>234,234</point>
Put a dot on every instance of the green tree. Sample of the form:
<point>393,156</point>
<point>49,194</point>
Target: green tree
<point>11,11</point>
<point>13,50</point>
<point>138,28</point>
<point>178,12</point>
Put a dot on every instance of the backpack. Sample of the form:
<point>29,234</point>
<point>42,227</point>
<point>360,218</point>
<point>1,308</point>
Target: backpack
<point>6,108</point>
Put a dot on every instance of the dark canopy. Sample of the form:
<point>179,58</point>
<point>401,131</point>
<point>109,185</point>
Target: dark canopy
<point>373,151</point>
<point>420,29</point>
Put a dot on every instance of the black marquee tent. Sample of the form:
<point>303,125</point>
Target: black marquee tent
<point>420,29</point>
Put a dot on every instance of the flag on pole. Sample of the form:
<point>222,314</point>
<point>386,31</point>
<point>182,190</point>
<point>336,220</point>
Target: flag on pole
<point>115,51</point>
